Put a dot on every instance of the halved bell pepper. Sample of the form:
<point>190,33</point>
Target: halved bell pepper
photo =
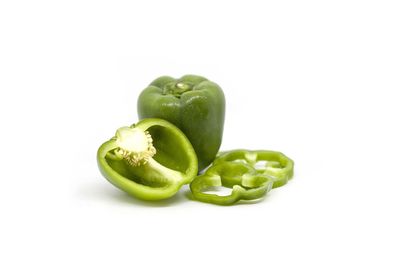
<point>274,163</point>
<point>150,160</point>
<point>245,181</point>
<point>194,104</point>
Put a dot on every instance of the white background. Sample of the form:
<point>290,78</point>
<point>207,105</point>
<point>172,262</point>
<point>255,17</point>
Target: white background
<point>317,80</point>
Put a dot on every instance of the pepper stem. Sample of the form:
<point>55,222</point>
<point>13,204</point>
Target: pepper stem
<point>182,86</point>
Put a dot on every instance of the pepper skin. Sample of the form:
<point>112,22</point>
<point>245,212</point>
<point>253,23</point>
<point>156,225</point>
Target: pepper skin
<point>150,160</point>
<point>194,104</point>
<point>275,164</point>
<point>245,181</point>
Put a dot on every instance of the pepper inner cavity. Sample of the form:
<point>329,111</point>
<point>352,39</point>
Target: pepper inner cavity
<point>217,190</point>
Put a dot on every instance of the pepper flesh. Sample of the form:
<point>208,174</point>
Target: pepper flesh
<point>276,164</point>
<point>150,160</point>
<point>245,181</point>
<point>192,103</point>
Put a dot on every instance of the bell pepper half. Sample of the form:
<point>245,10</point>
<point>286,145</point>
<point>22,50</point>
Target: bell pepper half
<point>150,160</point>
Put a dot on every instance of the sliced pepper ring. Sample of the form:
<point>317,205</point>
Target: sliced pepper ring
<point>245,181</point>
<point>278,165</point>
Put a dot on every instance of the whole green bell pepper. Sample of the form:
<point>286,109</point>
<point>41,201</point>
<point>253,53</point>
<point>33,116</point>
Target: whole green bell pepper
<point>194,104</point>
<point>245,181</point>
<point>150,160</point>
<point>274,163</point>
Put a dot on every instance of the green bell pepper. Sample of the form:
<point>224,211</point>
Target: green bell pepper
<point>194,104</point>
<point>245,181</point>
<point>150,160</point>
<point>274,164</point>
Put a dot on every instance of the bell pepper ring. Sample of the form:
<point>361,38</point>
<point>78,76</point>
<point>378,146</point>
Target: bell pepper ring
<point>192,103</point>
<point>150,160</point>
<point>245,181</point>
<point>275,164</point>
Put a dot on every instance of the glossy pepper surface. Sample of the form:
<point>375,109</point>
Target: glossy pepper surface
<point>245,181</point>
<point>271,163</point>
<point>192,103</point>
<point>150,160</point>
